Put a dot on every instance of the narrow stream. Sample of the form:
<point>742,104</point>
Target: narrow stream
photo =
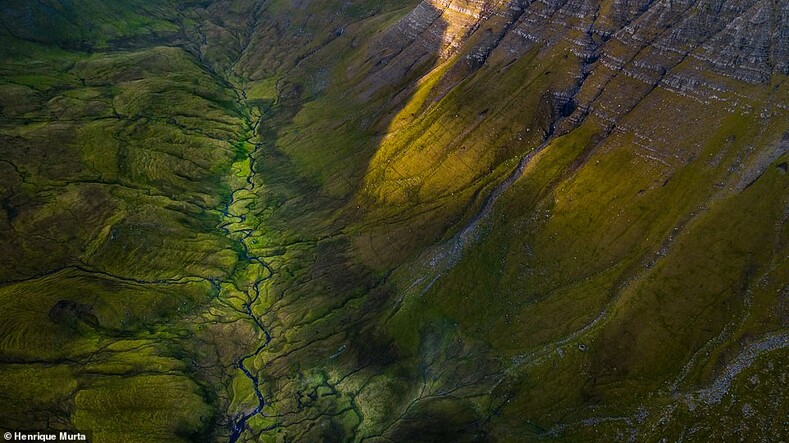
<point>239,422</point>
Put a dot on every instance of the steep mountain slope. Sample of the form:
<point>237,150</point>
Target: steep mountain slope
<point>407,221</point>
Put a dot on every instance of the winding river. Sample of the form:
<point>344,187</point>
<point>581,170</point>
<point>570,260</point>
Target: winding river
<point>239,422</point>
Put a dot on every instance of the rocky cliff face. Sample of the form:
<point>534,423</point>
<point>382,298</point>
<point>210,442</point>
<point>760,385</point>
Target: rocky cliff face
<point>621,52</point>
<point>744,40</point>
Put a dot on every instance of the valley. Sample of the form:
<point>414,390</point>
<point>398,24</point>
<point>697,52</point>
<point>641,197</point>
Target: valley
<point>264,220</point>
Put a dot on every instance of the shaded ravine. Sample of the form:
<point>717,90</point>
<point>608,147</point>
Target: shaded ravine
<point>233,225</point>
<point>238,423</point>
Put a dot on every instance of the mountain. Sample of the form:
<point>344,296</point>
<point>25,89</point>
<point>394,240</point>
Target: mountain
<point>395,221</point>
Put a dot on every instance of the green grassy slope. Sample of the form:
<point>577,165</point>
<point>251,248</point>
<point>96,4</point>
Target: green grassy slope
<point>114,172</point>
